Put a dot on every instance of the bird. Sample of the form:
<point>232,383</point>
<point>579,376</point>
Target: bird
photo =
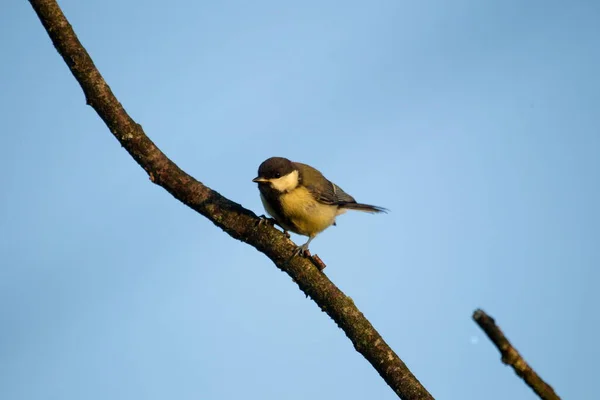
<point>301,200</point>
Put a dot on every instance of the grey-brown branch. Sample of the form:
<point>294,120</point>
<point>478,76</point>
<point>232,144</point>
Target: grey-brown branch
<point>510,356</point>
<point>235,220</point>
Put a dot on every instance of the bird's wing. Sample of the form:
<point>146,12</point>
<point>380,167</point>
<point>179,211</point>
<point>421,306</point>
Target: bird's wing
<point>322,189</point>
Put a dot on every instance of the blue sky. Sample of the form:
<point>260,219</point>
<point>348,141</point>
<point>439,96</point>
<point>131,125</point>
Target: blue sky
<point>475,122</point>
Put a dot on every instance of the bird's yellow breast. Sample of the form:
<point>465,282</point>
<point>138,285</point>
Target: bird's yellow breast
<point>308,216</point>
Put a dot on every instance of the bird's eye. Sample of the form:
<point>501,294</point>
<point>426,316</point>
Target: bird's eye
<point>277,175</point>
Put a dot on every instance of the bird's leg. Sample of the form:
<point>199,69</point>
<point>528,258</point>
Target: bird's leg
<point>267,220</point>
<point>303,249</point>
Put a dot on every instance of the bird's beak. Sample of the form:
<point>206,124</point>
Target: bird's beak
<point>258,179</point>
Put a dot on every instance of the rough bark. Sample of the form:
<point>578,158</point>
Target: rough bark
<point>510,356</point>
<point>231,217</point>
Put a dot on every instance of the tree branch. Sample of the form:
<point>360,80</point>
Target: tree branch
<point>510,356</point>
<point>237,221</point>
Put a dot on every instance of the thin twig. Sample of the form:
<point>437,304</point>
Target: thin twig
<point>238,222</point>
<point>510,356</point>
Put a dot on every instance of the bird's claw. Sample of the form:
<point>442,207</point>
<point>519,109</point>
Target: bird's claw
<point>263,219</point>
<point>272,221</point>
<point>302,251</point>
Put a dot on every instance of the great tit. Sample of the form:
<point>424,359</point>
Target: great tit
<point>301,200</point>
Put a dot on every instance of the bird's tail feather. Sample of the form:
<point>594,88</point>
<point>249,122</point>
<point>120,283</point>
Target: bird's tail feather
<point>362,207</point>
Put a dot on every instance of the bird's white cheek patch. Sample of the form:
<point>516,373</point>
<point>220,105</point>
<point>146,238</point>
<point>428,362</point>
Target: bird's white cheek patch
<point>286,183</point>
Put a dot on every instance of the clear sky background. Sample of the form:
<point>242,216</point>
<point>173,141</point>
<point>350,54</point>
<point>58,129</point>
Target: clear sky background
<point>476,122</point>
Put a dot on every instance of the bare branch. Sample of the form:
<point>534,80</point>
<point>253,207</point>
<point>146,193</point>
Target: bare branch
<point>510,356</point>
<point>238,222</point>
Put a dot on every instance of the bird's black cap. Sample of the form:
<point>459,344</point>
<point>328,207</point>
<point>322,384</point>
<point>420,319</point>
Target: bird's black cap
<point>275,167</point>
